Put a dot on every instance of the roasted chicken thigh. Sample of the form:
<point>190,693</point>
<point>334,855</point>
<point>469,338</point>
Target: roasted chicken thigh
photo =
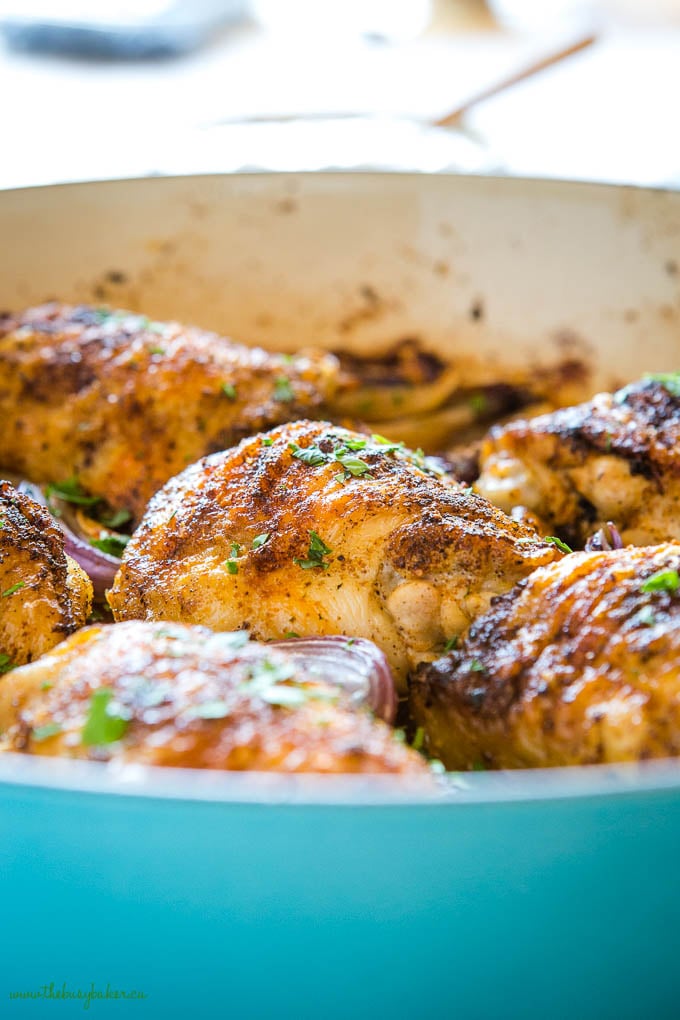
<point>162,694</point>
<point>615,458</point>
<point>579,664</point>
<point>44,595</point>
<point>122,403</point>
<point>314,529</point>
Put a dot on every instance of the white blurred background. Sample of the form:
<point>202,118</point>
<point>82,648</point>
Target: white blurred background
<point>96,88</point>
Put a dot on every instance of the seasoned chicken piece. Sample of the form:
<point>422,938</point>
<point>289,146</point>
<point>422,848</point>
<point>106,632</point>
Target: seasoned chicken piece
<point>122,403</point>
<point>162,694</point>
<point>580,663</point>
<point>616,458</point>
<point>44,595</point>
<point>313,529</point>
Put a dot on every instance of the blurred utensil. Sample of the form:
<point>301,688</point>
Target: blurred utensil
<point>568,49</point>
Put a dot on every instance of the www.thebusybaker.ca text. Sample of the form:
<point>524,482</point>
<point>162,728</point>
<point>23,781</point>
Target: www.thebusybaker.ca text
<point>92,994</point>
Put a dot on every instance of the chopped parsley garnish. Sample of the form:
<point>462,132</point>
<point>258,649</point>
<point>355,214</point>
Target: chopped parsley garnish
<point>103,725</point>
<point>311,455</point>
<point>354,465</point>
<point>387,445</point>
<point>475,666</point>
<point>2,522</point>
<point>267,441</point>
<point>217,709</point>
<point>41,733</point>
<point>15,587</point>
<point>663,580</point>
<point>562,546</point>
<point>156,350</point>
<point>671,381</point>
<point>283,391</point>
<point>71,492</point>
<point>451,643</point>
<point>419,739</point>
<point>284,696</point>
<point>478,403</point>
<point>232,565</point>
<point>116,519</point>
<point>114,545</point>
<point>46,685</point>
<point>646,616</point>
<point>6,663</point>
<point>260,540</point>
<point>315,554</point>
<point>229,390</point>
<point>291,634</point>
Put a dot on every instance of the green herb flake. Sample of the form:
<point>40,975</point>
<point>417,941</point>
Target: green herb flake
<point>156,350</point>
<point>260,540</point>
<point>46,685</point>
<point>267,441</point>
<point>41,733</point>
<point>229,390</point>
<point>663,580</point>
<point>478,403</point>
<point>232,566</point>
<point>478,766</point>
<point>475,666</point>
<point>291,634</point>
<point>562,546</point>
<point>70,491</point>
<point>311,455</point>
<point>15,587</point>
<point>103,725</point>
<point>283,391</point>
<point>419,739</point>
<point>451,643</point>
<point>113,545</point>
<point>6,663</point>
<point>353,465</point>
<point>116,519</point>
<point>217,709</point>
<point>315,554</point>
<point>670,380</point>
<point>284,696</point>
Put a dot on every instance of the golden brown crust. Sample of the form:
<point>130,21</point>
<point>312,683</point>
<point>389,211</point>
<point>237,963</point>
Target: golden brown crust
<point>414,556</point>
<point>124,403</point>
<point>578,664</point>
<point>613,458</point>
<point>44,595</point>
<point>191,698</point>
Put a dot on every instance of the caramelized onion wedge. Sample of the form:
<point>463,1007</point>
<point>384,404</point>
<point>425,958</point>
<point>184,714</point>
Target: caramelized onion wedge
<point>100,567</point>
<point>356,665</point>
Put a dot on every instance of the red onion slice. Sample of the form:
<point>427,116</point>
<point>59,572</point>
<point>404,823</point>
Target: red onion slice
<point>356,665</point>
<point>100,567</point>
<point>606,539</point>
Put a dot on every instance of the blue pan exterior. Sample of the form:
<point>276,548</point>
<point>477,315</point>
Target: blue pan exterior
<point>547,908</point>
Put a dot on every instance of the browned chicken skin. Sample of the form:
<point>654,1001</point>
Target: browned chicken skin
<point>123,403</point>
<point>613,459</point>
<point>163,694</point>
<point>579,664</point>
<point>44,595</point>
<point>288,533</point>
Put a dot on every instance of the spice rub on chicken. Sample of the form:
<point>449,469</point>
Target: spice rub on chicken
<point>314,529</point>
<point>615,458</point>
<point>44,595</point>
<point>122,403</point>
<point>579,664</point>
<point>163,694</point>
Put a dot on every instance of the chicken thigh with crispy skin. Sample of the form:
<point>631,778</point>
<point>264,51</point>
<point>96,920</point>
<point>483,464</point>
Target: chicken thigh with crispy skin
<point>122,403</point>
<point>163,694</point>
<point>44,595</point>
<point>579,664</point>
<point>615,458</point>
<point>314,529</point>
